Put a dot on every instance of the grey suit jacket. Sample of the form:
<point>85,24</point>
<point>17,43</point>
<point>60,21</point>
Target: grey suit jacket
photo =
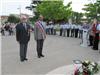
<point>37,33</point>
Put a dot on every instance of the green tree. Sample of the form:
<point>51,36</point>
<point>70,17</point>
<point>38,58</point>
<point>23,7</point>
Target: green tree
<point>92,10</point>
<point>13,19</point>
<point>54,10</point>
<point>77,17</point>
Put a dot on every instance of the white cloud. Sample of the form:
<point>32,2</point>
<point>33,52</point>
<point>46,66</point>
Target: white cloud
<point>77,5</point>
<point>16,1</point>
<point>11,6</point>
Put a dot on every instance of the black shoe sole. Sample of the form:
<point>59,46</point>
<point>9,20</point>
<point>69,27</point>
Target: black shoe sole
<point>26,59</point>
<point>42,55</point>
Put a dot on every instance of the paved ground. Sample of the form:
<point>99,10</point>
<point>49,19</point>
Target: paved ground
<point>58,51</point>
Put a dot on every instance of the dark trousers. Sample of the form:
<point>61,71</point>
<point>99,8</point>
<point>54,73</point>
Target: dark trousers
<point>72,32</point>
<point>54,31</point>
<point>96,41</point>
<point>23,51</point>
<point>64,32</point>
<point>61,30</point>
<point>51,31</point>
<point>76,33</point>
<point>80,33</point>
<point>91,40</point>
<point>10,32</point>
<point>39,47</point>
<point>68,32</point>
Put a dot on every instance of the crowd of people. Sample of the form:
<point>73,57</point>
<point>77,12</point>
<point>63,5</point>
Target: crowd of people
<point>64,29</point>
<point>8,29</point>
<point>76,31</point>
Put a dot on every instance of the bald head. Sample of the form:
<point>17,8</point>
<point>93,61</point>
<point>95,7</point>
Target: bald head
<point>23,18</point>
<point>41,17</point>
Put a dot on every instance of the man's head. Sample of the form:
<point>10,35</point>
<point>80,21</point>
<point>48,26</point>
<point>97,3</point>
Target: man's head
<point>84,23</point>
<point>95,21</point>
<point>23,18</point>
<point>41,18</point>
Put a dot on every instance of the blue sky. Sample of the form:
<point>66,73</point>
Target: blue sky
<point>11,6</point>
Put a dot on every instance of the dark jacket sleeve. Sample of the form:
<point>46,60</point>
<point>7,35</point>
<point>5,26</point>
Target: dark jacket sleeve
<point>17,33</point>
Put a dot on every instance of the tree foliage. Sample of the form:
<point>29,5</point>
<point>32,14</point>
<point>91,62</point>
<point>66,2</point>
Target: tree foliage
<point>92,10</point>
<point>55,10</point>
<point>13,19</point>
<point>77,17</point>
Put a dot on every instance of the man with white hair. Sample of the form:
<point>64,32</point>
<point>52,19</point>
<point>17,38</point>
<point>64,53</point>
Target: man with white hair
<point>23,36</point>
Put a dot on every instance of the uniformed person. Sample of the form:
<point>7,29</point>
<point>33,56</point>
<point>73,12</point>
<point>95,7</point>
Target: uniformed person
<point>55,27</point>
<point>51,28</point>
<point>76,31</point>
<point>80,31</point>
<point>47,29</point>
<point>72,30</point>
<point>68,30</point>
<point>61,29</point>
<point>64,29</point>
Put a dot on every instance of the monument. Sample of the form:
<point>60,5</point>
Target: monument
<point>85,36</point>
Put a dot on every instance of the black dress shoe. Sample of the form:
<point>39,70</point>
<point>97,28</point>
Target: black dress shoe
<point>42,55</point>
<point>25,59</point>
<point>94,49</point>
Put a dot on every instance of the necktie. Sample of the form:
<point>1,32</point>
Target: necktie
<point>25,26</point>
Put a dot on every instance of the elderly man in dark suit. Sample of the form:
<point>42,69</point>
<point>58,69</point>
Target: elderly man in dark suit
<point>23,36</point>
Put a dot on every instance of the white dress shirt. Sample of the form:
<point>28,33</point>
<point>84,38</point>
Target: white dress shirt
<point>98,27</point>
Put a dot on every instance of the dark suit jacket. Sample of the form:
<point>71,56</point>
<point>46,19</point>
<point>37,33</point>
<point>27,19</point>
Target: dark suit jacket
<point>22,34</point>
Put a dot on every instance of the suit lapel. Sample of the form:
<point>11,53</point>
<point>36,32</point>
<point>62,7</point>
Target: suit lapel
<point>25,28</point>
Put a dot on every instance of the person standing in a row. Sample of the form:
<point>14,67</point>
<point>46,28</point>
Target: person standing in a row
<point>23,37</point>
<point>55,27</point>
<point>72,30</point>
<point>80,31</point>
<point>76,31</point>
<point>52,28</point>
<point>68,30</point>
<point>96,29</point>
<point>47,29</point>
<point>40,35</point>
<point>64,29</point>
<point>61,29</point>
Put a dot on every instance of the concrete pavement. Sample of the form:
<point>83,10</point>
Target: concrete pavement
<point>58,51</point>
